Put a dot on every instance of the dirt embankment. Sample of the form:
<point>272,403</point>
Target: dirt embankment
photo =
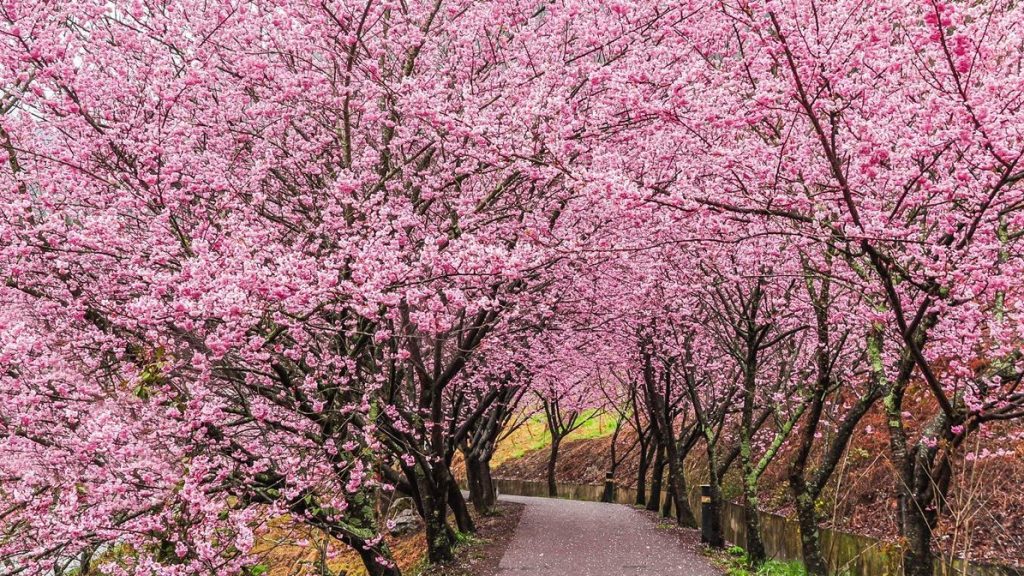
<point>290,549</point>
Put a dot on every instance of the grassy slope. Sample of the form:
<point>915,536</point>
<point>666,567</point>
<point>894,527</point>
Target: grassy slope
<point>534,435</point>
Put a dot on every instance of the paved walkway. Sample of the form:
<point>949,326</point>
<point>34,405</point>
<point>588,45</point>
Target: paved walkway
<point>571,538</point>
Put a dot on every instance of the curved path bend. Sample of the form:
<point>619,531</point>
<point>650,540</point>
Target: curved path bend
<point>571,538</point>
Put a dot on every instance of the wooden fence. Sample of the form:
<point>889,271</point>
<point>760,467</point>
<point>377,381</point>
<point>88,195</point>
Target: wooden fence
<point>847,554</point>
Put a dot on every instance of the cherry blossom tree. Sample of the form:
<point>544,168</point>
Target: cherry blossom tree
<point>266,258</point>
<point>889,133</point>
<point>249,248</point>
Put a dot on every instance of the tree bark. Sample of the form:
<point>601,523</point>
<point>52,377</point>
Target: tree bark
<point>475,482</point>
<point>609,478</point>
<point>755,547</point>
<point>646,450</point>
<point>463,519</point>
<point>666,504</point>
<point>922,481</point>
<point>490,491</point>
<point>806,484</point>
<point>608,495</point>
<point>654,499</point>
<point>663,425</point>
<point>552,463</point>
<point>472,477</point>
<point>917,555</point>
<point>928,483</point>
<point>684,514</point>
<point>714,536</point>
<point>440,536</point>
<point>482,493</point>
<point>810,538</point>
<point>372,561</point>
<point>752,520</point>
<point>377,559</point>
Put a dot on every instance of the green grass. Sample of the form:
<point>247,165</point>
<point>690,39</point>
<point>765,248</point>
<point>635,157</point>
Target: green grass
<point>466,538</point>
<point>597,427</point>
<point>736,563</point>
<point>534,435</point>
<point>779,568</point>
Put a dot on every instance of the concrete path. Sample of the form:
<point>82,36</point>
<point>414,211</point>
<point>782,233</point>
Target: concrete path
<point>571,538</point>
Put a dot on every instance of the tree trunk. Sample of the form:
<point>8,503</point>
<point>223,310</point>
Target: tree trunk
<point>376,558</point>
<point>440,537</point>
<point>752,520</point>
<point>806,483</point>
<point>361,519</point>
<point>680,496</point>
<point>666,504</point>
<point>374,561</point>
<point>755,547</point>
<point>552,462</point>
<point>711,520</point>
<point>490,490</point>
<point>810,538</point>
<point>654,500</point>
<point>641,475</point>
<point>917,553</point>
<point>609,478</point>
<point>481,485</point>
<point>714,536</point>
<point>463,520</point>
<point>609,488</point>
<point>928,486</point>
<point>918,502</point>
<point>474,481</point>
